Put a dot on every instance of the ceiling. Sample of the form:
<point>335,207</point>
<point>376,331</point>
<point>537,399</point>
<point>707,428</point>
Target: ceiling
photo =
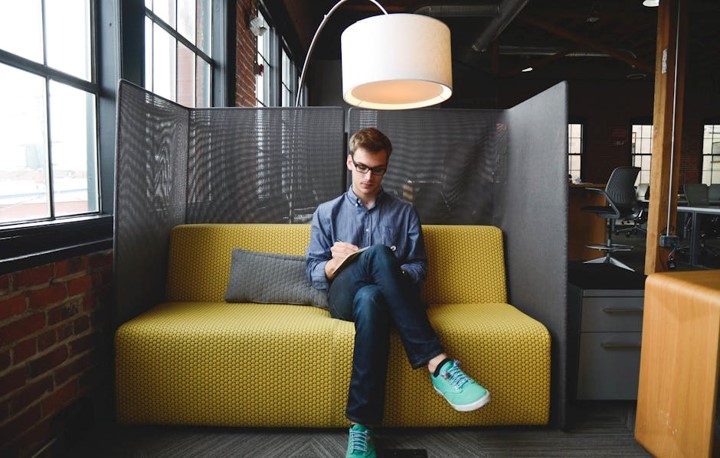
<point>561,39</point>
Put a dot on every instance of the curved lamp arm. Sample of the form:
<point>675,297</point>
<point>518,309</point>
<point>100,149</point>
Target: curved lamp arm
<point>312,44</point>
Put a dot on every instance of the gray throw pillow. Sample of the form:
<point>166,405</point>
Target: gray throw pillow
<point>270,278</point>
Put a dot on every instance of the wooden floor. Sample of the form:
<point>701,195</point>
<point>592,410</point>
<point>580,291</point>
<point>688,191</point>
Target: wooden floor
<point>601,430</point>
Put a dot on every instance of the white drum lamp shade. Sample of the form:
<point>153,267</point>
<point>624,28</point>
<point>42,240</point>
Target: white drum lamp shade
<point>396,62</point>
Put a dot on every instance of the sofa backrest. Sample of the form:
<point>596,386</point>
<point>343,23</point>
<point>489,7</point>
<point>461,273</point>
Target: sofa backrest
<point>466,263</point>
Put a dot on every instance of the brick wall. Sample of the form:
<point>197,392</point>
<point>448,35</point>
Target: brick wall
<point>54,348</point>
<point>246,54</point>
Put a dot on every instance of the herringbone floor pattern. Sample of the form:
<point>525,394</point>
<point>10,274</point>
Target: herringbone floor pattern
<point>602,430</point>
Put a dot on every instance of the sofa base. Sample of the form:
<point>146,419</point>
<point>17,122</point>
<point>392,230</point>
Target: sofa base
<point>215,363</point>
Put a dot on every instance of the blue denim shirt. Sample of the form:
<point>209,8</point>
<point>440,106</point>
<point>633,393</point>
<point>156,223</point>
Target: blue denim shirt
<point>391,222</point>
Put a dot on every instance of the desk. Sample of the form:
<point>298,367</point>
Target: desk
<point>679,363</point>
<point>694,239</point>
<point>583,227</point>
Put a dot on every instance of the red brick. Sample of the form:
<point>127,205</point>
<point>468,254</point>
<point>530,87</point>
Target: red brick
<point>48,361</point>
<point>46,340</point>
<point>6,284</point>
<point>72,266</point>
<point>89,302</point>
<point>12,381</point>
<point>24,349</point>
<point>39,436</point>
<point>46,297</point>
<point>65,331</point>
<point>5,360</point>
<point>60,398</point>
<point>12,306</point>
<point>18,425</point>
<point>4,411</point>
<point>101,260</point>
<point>16,330</point>
<point>76,367</point>
<point>82,344</point>
<point>67,310</point>
<point>34,277</point>
<point>30,394</point>
<point>81,324</point>
<point>80,285</point>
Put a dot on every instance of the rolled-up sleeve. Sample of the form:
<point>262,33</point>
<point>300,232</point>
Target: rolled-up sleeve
<point>318,252</point>
<point>415,264</point>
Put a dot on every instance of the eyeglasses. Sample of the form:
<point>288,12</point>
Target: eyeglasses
<point>362,168</point>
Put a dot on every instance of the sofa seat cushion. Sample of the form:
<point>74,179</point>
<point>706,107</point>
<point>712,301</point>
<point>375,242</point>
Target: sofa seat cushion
<point>230,364</point>
<point>286,365</point>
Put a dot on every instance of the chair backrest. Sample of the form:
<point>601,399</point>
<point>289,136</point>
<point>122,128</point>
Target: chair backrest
<point>620,188</point>
<point>714,193</point>
<point>697,194</point>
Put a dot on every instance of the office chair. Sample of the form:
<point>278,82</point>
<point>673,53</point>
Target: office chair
<point>639,216</point>
<point>622,202</point>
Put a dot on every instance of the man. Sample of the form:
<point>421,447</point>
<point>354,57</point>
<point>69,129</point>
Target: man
<point>379,289</point>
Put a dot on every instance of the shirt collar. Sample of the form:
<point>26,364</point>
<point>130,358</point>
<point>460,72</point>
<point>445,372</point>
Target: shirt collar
<point>355,200</point>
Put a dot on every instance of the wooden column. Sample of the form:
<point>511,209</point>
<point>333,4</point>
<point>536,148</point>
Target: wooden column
<point>667,129</point>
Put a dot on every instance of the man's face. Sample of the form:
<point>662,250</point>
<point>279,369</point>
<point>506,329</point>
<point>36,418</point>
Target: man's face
<point>367,184</point>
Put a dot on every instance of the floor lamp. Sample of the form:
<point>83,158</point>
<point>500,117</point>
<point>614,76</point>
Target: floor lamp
<point>392,61</point>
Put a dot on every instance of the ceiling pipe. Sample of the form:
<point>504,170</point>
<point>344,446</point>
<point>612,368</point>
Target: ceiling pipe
<point>460,10</point>
<point>510,50</point>
<point>508,10</point>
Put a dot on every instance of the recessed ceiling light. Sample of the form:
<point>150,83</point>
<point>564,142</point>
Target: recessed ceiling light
<point>651,3</point>
<point>527,69</point>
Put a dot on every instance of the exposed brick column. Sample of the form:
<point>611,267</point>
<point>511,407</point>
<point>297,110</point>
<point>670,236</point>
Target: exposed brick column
<point>246,51</point>
<point>54,334</point>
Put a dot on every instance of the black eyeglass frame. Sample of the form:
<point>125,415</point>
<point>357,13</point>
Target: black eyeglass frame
<point>364,169</point>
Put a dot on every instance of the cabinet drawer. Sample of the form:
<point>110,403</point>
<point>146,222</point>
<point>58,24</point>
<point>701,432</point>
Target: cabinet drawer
<point>611,314</point>
<point>609,365</point>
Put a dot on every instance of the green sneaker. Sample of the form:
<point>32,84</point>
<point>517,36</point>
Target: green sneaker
<point>360,443</point>
<point>462,392</point>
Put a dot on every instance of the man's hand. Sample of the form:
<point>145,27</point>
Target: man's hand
<point>340,251</point>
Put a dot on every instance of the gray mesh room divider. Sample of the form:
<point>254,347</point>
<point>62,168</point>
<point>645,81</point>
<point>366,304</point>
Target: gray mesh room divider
<point>177,165</point>
<point>275,165</point>
<point>444,161</point>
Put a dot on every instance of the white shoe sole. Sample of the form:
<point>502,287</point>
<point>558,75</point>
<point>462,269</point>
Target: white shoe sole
<point>468,407</point>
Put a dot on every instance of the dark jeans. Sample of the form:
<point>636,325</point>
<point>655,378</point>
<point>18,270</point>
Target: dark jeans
<point>374,294</point>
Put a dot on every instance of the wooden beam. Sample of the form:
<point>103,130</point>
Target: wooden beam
<point>667,130</point>
<point>586,42</point>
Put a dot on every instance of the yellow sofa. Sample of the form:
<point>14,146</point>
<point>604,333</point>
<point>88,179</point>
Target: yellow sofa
<point>196,359</point>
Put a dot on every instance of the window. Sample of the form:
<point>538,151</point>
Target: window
<point>289,81</point>
<point>575,149</point>
<point>711,154</point>
<point>641,150</point>
<point>48,115</point>
<point>178,65</point>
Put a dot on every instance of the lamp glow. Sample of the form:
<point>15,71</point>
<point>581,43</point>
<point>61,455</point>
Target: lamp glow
<point>396,61</point>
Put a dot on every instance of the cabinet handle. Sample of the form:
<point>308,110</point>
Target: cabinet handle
<point>620,346</point>
<point>622,311</point>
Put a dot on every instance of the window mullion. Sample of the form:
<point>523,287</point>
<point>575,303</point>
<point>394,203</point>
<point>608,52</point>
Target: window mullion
<point>49,175</point>
<point>174,33</point>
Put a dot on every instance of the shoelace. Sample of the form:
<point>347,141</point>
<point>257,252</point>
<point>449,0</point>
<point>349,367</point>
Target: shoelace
<point>456,377</point>
<point>358,440</point>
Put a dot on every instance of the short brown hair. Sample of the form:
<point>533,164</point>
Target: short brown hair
<point>370,139</point>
